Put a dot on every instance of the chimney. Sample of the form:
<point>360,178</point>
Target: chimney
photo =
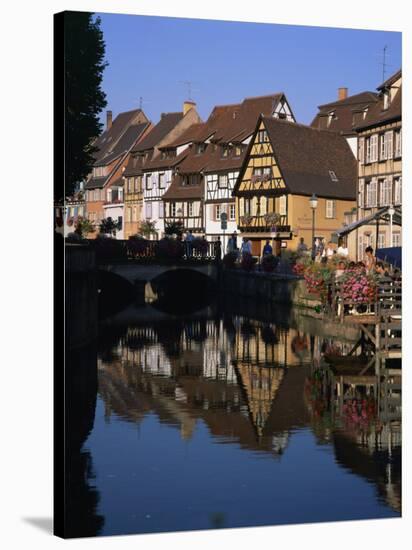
<point>187,105</point>
<point>342,93</point>
<point>108,120</point>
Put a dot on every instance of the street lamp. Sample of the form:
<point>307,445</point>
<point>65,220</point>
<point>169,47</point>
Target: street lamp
<point>313,201</point>
<point>391,212</point>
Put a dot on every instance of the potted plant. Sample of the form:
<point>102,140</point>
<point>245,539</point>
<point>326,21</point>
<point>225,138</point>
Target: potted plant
<point>272,218</point>
<point>109,227</point>
<point>84,226</point>
<point>147,228</point>
<point>174,227</point>
<point>246,219</point>
<point>269,263</point>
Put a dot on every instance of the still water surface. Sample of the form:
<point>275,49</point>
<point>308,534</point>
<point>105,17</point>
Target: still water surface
<point>219,419</point>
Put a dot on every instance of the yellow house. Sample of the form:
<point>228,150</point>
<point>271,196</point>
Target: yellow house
<point>286,163</point>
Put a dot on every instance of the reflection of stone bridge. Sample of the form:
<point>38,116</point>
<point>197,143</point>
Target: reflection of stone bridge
<point>138,272</point>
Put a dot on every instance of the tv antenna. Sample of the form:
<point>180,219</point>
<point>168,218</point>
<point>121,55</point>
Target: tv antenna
<point>190,89</point>
<point>384,64</point>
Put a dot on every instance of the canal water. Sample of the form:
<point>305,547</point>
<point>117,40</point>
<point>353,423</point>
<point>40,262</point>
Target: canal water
<point>225,417</point>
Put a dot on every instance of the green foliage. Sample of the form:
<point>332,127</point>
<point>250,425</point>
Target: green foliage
<point>84,227</point>
<point>147,228</point>
<point>109,227</point>
<point>174,228</point>
<point>84,52</point>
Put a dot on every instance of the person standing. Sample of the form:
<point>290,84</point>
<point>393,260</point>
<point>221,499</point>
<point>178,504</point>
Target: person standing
<point>302,247</point>
<point>267,249</point>
<point>329,251</point>
<point>246,247</point>
<point>231,244</point>
<point>342,249</point>
<point>189,243</point>
<point>370,259</point>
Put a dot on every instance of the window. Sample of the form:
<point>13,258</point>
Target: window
<point>386,147</point>
<point>223,181</point>
<point>386,99</point>
<point>396,239</point>
<point>161,210</point>
<point>238,150</point>
<point>282,205</point>
<point>148,182</point>
<point>371,193</point>
<point>372,148</point>
<point>397,195</point>
<point>247,207</point>
<point>190,209</point>
<point>385,198</point>
<point>162,180</point>
<point>218,211</point>
<point>191,179</point>
<point>225,151</point>
<point>172,209</point>
<point>398,143</point>
<point>333,175</point>
<point>262,136</point>
<point>148,210</point>
<point>330,209</point>
<point>129,185</point>
<point>138,184</point>
<point>99,171</point>
<point>232,212</point>
<point>361,247</point>
<point>381,240</point>
<point>134,214</point>
<point>200,148</point>
<point>128,214</point>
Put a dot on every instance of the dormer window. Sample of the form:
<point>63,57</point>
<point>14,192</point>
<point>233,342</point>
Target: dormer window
<point>238,150</point>
<point>225,151</point>
<point>200,148</point>
<point>331,116</point>
<point>332,175</point>
<point>386,99</point>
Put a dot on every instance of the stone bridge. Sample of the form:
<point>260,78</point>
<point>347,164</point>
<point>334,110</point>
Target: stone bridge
<point>136,273</point>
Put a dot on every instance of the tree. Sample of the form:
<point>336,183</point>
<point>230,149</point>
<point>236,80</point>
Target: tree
<point>109,226</point>
<point>147,228</point>
<point>84,52</point>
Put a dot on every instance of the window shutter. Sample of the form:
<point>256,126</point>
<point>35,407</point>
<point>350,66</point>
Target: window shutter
<point>390,189</point>
<point>389,145</point>
<point>374,194</point>
<point>374,148</point>
<point>361,150</point>
<point>361,195</point>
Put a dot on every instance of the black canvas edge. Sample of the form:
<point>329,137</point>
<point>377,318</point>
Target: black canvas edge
<point>58,282</point>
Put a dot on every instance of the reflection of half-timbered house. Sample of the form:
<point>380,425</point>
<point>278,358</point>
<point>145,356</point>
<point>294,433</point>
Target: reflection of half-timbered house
<point>149,172</point>
<point>111,158</point>
<point>284,165</point>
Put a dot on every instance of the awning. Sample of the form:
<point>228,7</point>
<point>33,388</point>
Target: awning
<point>381,215</point>
<point>392,256</point>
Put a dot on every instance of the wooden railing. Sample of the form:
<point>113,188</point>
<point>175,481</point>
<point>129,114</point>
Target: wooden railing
<point>260,223</point>
<point>163,251</point>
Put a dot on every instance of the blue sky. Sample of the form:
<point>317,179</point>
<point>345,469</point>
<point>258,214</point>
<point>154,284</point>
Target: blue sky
<point>227,61</point>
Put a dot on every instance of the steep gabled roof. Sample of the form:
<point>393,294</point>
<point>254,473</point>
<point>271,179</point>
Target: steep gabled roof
<point>377,115</point>
<point>166,123</point>
<point>126,141</point>
<point>109,139</point>
<point>177,191</point>
<point>391,80</point>
<point>306,156</point>
<point>190,135</point>
<point>344,112</point>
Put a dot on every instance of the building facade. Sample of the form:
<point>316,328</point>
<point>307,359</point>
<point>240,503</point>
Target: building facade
<point>286,164</point>
<point>380,166</point>
<point>112,156</point>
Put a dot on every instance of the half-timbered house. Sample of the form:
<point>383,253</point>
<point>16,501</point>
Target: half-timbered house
<point>149,171</point>
<point>111,158</point>
<point>226,159</point>
<point>286,164</point>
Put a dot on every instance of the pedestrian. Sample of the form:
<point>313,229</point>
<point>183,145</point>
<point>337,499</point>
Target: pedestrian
<point>302,247</point>
<point>318,250</point>
<point>189,243</point>
<point>246,247</point>
<point>231,244</point>
<point>370,259</point>
<point>329,251</point>
<point>342,249</point>
<point>267,249</point>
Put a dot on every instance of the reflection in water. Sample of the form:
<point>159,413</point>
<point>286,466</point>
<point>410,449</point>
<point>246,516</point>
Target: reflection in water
<point>254,404</point>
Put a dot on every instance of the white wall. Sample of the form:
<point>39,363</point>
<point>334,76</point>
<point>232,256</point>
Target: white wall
<point>114,211</point>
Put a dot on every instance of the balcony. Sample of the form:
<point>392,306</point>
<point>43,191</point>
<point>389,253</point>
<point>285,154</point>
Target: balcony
<point>268,223</point>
